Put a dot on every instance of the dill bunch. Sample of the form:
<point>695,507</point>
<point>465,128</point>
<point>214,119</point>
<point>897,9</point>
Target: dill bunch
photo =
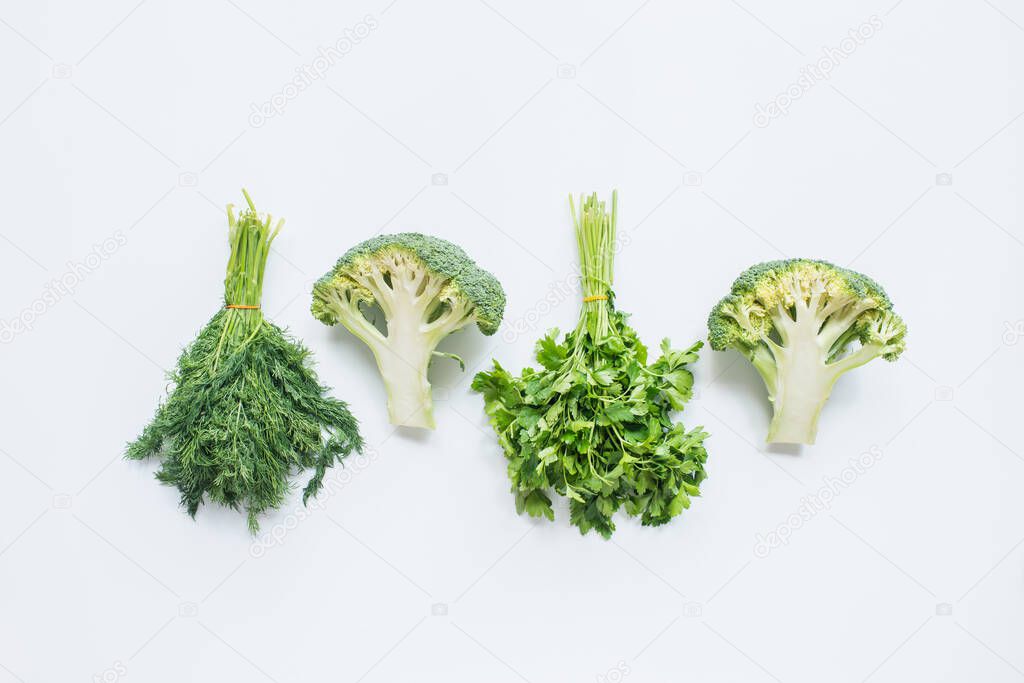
<point>246,412</point>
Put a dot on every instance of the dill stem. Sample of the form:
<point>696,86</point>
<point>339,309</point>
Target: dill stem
<point>250,237</point>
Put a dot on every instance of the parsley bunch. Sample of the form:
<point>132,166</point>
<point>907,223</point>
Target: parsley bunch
<point>594,423</point>
<point>246,412</point>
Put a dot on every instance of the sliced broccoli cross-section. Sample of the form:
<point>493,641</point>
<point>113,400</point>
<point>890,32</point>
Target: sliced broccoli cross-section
<point>427,288</point>
<point>797,322</point>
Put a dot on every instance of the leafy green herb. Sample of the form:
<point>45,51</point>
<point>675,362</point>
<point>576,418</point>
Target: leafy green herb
<point>594,423</point>
<point>246,412</point>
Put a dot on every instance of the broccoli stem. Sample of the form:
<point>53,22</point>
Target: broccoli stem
<point>416,324</point>
<point>801,394</point>
<point>403,364</point>
<point>802,381</point>
<point>804,378</point>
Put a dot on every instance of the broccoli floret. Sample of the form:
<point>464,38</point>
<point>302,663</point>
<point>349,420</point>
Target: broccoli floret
<point>427,288</point>
<point>797,321</point>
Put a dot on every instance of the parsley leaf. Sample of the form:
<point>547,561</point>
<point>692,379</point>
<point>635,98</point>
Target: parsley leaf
<point>594,424</point>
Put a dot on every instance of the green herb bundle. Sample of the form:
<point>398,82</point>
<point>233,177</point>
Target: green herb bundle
<point>246,412</point>
<point>594,423</point>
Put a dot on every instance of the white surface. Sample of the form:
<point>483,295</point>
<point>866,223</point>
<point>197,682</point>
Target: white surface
<point>134,120</point>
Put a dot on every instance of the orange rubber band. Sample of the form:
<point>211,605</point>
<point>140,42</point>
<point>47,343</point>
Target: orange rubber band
<point>599,297</point>
<point>242,307</point>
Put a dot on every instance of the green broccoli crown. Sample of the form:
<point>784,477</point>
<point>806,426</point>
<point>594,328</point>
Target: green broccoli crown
<point>725,329</point>
<point>783,280</point>
<point>744,317</point>
<point>444,259</point>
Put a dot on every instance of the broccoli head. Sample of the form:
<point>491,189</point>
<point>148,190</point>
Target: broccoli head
<point>427,288</point>
<point>803,323</point>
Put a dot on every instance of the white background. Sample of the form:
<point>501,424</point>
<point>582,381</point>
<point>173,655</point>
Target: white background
<point>131,119</point>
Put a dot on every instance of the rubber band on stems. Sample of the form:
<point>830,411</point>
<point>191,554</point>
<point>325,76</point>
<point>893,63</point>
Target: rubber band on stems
<point>598,297</point>
<point>242,307</point>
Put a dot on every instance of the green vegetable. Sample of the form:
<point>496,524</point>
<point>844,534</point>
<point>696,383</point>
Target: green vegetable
<point>594,423</point>
<point>797,321</point>
<point>246,412</point>
<point>427,288</point>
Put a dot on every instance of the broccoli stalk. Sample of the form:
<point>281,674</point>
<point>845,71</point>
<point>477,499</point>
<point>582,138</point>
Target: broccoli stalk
<point>796,322</point>
<point>427,288</point>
